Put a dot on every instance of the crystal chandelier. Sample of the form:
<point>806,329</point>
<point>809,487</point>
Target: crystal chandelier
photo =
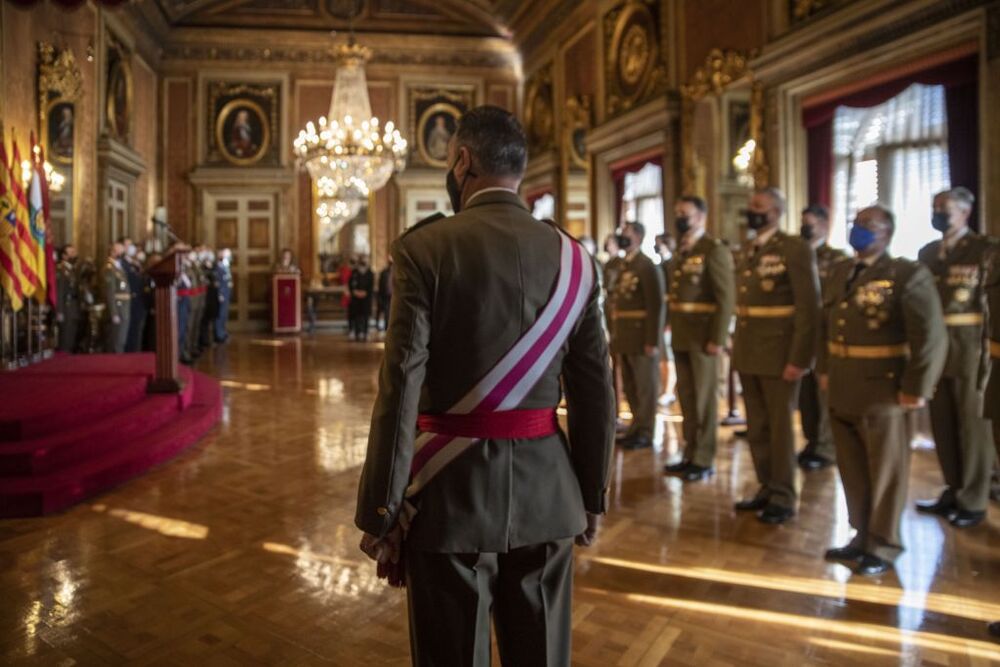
<point>347,153</point>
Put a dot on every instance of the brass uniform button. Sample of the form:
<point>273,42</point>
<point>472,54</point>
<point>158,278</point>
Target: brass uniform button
<point>382,511</point>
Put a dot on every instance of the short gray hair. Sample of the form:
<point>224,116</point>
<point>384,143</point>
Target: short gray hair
<point>777,196</point>
<point>961,196</point>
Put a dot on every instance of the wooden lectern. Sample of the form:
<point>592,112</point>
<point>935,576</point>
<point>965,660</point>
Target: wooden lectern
<point>286,303</point>
<point>166,379</point>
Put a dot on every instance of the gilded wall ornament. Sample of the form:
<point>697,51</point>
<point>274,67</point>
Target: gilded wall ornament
<point>578,121</point>
<point>60,87</point>
<point>803,9</point>
<point>634,62</point>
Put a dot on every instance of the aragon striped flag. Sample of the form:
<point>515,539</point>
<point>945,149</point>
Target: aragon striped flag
<point>27,248</point>
<point>10,263</point>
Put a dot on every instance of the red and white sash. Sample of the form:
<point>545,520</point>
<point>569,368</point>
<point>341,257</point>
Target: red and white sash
<point>516,374</point>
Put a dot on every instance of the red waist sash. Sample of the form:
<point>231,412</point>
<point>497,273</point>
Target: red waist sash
<point>502,425</point>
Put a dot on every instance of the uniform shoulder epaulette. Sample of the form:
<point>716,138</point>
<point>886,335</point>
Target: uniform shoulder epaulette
<point>426,221</point>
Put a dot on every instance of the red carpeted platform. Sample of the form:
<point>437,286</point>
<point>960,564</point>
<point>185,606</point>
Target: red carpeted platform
<point>75,426</point>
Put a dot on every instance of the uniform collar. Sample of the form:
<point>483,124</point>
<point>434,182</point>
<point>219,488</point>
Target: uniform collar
<point>494,196</point>
<point>948,243</point>
<point>691,238</point>
<point>762,239</point>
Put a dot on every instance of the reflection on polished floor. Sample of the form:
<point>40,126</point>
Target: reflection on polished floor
<point>242,551</point>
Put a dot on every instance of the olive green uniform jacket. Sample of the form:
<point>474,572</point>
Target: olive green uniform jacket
<point>117,301</point>
<point>465,288</point>
<point>779,277</point>
<point>637,306</point>
<point>700,295</point>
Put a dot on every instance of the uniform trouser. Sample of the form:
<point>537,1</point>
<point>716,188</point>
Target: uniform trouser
<point>962,440</point>
<point>697,390</point>
<point>641,380</point>
<point>222,319</point>
<point>873,455</point>
<point>136,326</point>
<point>117,334</point>
<point>770,402</point>
<point>815,418</point>
<point>69,329</point>
<point>183,315</point>
<point>528,592</point>
<point>194,323</point>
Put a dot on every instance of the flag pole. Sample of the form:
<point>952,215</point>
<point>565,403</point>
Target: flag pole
<point>3,330</point>
<point>28,337</point>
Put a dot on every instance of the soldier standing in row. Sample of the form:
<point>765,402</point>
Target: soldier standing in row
<point>700,293</point>
<point>197,305</point>
<point>819,451</point>
<point>137,288</point>
<point>117,298</point>
<point>962,436</point>
<point>67,292</point>
<point>884,344</point>
<point>211,308</point>
<point>637,308</point>
<point>224,285</point>
<point>777,312</point>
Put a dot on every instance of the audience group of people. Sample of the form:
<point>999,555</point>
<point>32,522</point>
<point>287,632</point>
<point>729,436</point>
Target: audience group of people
<point>112,309</point>
<point>854,343</point>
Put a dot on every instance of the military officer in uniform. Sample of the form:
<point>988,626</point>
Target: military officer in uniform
<point>884,345</point>
<point>700,291</point>
<point>117,300</point>
<point>819,451</point>
<point>638,317</point>
<point>224,284</point>
<point>962,437</point>
<point>495,527</point>
<point>774,345</point>
<point>68,295</point>
<point>991,402</point>
<point>193,349</point>
<point>137,287</point>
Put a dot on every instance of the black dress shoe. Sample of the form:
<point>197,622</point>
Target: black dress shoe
<point>775,514</point>
<point>994,629</point>
<point>677,468</point>
<point>847,553</point>
<point>810,462</point>
<point>754,504</point>
<point>871,566</point>
<point>941,507</point>
<point>635,442</point>
<point>697,473</point>
<point>966,518</point>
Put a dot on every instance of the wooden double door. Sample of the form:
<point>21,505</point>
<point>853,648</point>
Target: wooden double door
<point>246,224</point>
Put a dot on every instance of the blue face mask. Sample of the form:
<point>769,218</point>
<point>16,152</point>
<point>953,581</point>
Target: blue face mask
<point>861,238</point>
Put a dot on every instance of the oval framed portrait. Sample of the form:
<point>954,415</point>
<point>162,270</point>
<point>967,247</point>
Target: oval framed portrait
<point>434,129</point>
<point>119,102</point>
<point>633,50</point>
<point>242,132</point>
<point>60,128</point>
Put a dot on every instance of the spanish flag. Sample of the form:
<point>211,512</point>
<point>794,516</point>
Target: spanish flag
<point>27,247</point>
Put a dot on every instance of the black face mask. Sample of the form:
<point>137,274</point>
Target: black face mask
<point>756,220</point>
<point>683,224</point>
<point>454,188</point>
<point>624,242</point>
<point>808,232</point>
<point>940,221</point>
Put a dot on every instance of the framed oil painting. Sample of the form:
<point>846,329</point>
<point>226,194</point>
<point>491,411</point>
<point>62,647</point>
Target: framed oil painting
<point>244,119</point>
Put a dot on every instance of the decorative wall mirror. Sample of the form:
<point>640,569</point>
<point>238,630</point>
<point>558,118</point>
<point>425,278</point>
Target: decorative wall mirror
<point>60,90</point>
<point>722,138</point>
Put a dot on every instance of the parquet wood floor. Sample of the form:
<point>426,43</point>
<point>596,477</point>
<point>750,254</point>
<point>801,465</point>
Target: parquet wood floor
<point>242,551</point>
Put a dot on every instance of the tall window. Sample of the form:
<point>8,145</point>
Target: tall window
<point>897,154</point>
<point>642,201</point>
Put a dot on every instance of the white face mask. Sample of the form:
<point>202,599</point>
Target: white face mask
<point>131,250</point>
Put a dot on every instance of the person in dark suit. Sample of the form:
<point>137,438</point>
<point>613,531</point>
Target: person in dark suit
<point>68,294</point>
<point>496,525</point>
<point>384,296</point>
<point>137,287</point>
<point>224,285</point>
<point>361,286</point>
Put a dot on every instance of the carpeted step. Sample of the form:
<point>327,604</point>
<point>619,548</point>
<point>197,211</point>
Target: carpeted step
<point>54,491</point>
<point>50,453</point>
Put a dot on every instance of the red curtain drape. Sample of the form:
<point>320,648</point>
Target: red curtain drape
<point>959,77</point>
<point>630,166</point>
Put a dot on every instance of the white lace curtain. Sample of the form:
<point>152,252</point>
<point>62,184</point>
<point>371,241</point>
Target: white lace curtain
<point>643,202</point>
<point>895,153</point>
